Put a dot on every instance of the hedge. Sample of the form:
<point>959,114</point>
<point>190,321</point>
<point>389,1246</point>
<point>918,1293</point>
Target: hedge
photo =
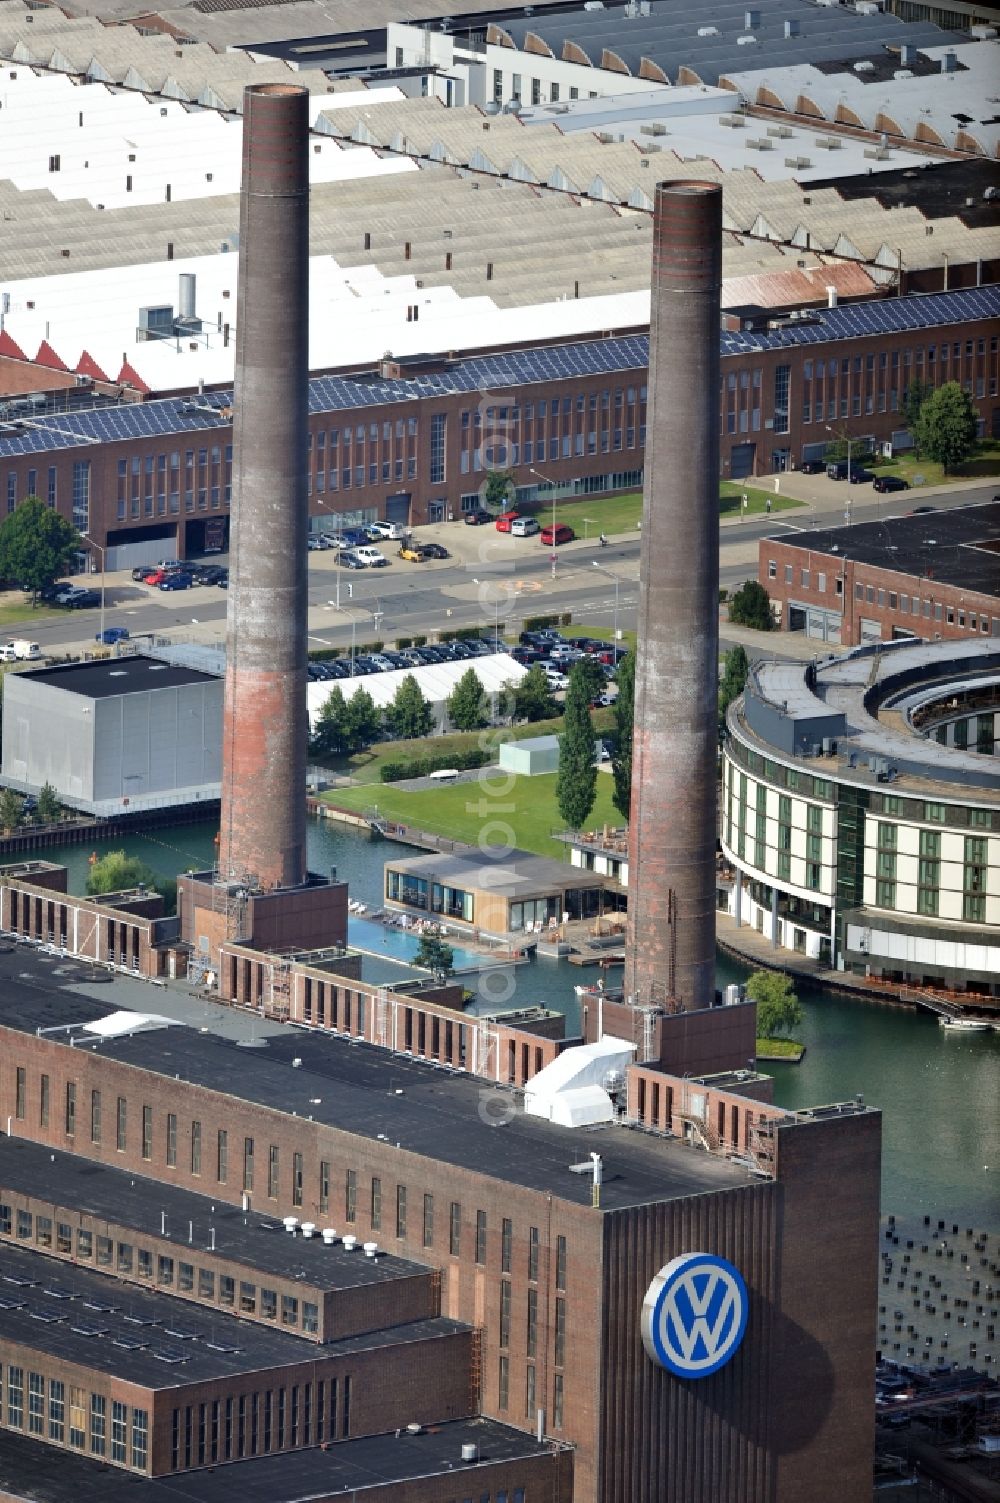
<point>421,767</point>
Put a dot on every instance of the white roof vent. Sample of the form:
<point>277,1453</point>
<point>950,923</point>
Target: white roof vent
<point>290,1223</point>
<point>864,66</point>
<point>308,1228</point>
<point>329,1235</point>
<point>708,31</point>
<point>371,1248</point>
<point>350,1243</point>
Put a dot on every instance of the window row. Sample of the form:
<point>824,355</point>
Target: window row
<point>69,1415</point>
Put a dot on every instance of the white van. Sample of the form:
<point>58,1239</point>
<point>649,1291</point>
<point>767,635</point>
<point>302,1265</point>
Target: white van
<point>25,650</point>
<point>523,527</point>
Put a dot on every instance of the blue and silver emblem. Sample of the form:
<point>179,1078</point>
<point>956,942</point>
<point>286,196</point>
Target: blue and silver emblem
<point>694,1315</point>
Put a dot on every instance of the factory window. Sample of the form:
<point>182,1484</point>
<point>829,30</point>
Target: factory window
<point>498,86</point>
<point>98,1407</point>
<point>296,1179</point>
<point>515,86</point>
<point>503,1384</point>
<point>310,1318</point>
<point>376,1204</point>
<point>36,1403</point>
<point>43,1102</point>
<point>351,1196</point>
<point>505,1312</point>
<point>222,1156</point>
<point>122,1125</point>
<point>324,1186</point>
<point>145,1269</point>
<point>171,1140</point>
<point>536,91</point>
<point>529,1392</point>
<point>119,1430</point>
<point>227,1290</point>
<point>206,1284</point>
<point>557,1401</point>
<point>248,1164</point>
<point>248,1298</point>
<point>57,1410</point>
<point>532,1324</point>
<point>289,1310</point>
<point>455,1235</point>
<point>560,1262</point>
<point>195,1147</point>
<point>84,1243</point>
<point>772,569</point>
<point>804,578</point>
<point>185,1277</point>
<point>438,431</point>
<point>25,1222</point>
<point>104,1248</point>
<point>781,383</point>
<point>165,1271</point>
<point>51,491</point>
<point>788,574</point>
<point>273,1166</point>
<point>480,1236</point>
<point>70,1109</point>
<point>21,1091</point>
<point>43,1231</point>
<point>269,1304</point>
<point>140,1432</point>
<point>533,1253</point>
<point>15,1397</point>
<point>6,1220</point>
<point>77,1417</point>
<point>11,490</point>
<point>428,1234</point>
<point>64,1237</point>
<point>147,1132</point>
<point>124,1257</point>
<point>506,1238</point>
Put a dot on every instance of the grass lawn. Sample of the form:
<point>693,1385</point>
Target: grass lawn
<point>365,767</point>
<point>922,472</point>
<point>612,515</point>
<point>465,811</point>
<point>780,1049</point>
<point>13,609</point>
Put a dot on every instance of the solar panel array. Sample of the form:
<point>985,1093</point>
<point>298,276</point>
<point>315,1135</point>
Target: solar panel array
<point>486,374</point>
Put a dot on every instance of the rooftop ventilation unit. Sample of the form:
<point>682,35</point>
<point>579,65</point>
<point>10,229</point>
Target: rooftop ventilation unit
<point>865,65</point>
<point>907,53</point>
<point>329,1235</point>
<point>791,28</point>
<point>708,31</point>
<point>350,1243</point>
<point>902,73</point>
<point>746,41</point>
<point>949,63</point>
<point>371,1248</point>
<point>867,8</point>
<point>751,19</point>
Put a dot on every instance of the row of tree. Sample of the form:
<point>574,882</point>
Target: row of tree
<point>12,807</point>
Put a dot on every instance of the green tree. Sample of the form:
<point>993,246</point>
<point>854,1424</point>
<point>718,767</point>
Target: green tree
<point>914,397</point>
<point>435,955</point>
<point>468,707</point>
<point>533,697</point>
<point>36,545</point>
<point>498,490</point>
<point>48,805</point>
<point>362,721</point>
<point>750,605</point>
<point>11,804</point>
<point>118,872</point>
<point>621,759</point>
<point>778,1008</point>
<point>734,677</point>
<point>590,673</point>
<point>329,738</point>
<point>576,781</point>
<point>410,714</point>
<point>946,428</point>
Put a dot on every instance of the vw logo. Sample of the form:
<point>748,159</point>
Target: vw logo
<point>694,1315</point>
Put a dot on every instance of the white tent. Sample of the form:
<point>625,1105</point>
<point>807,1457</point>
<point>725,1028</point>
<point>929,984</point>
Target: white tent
<point>436,682</point>
<point>571,1091</point>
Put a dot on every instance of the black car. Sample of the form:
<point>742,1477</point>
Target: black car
<point>477,518</point>
<point>812,467</point>
<point>883,483</point>
<point>85,600</point>
<point>525,655</point>
<point>435,550</point>
<point>49,593</point>
<point>207,574</point>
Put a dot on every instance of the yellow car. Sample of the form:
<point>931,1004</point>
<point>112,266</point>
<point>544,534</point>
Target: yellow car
<point>413,552</point>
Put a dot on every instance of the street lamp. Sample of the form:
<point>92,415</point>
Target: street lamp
<point>496,611</point>
<point>552,485</point>
<point>100,550</point>
<point>617,583</point>
<point>849,441</point>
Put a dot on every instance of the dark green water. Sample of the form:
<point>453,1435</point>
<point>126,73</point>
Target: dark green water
<point>939,1092</point>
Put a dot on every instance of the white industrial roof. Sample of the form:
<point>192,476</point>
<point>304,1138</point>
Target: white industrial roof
<point>436,682</point>
<point>571,1090</point>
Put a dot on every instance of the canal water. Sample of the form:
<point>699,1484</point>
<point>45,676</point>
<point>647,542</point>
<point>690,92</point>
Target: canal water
<point>939,1092</point>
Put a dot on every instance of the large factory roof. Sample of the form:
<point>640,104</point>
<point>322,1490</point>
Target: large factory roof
<point>959,545</point>
<point>689,44</point>
<point>497,372</point>
<point>170,1213</point>
<point>111,677</point>
<point>340,1468</point>
<point>368,1092</point>
<point>155,1340</point>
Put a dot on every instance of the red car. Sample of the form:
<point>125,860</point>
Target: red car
<point>154,577</point>
<point>505,520</point>
<point>553,536</point>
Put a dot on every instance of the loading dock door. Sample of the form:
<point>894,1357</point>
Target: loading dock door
<point>397,508</point>
<point>741,460</point>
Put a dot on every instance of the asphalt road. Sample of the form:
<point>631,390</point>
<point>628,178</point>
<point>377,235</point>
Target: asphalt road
<point>491,577</point>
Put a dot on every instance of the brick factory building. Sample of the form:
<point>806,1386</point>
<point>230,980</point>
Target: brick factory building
<point>162,1319</point>
<point>930,574</point>
<point>412,440</point>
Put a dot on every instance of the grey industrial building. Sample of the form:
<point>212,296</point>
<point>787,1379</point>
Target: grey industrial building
<point>114,736</point>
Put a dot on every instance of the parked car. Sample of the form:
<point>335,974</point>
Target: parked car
<point>51,591</point>
<point>413,553</point>
<point>313,543</point>
<point>435,550</point>
<point>858,474</point>
<point>525,655</point>
<point>176,580</point>
<point>553,536</point>
<point>355,536</point>
<point>112,634</point>
<point>556,680</point>
<point>523,527</point>
<point>139,574</point>
<point>206,574</point>
<point>374,557</point>
<point>812,467</point>
<point>543,639</point>
<point>884,483</point>
<point>566,654</point>
<point>84,599</point>
<point>477,518</point>
<point>506,520</point>
<point>223,581</point>
<point>602,701</point>
<point>393,532</point>
<point>350,560</point>
<point>22,650</point>
<point>382,663</point>
<point>154,577</point>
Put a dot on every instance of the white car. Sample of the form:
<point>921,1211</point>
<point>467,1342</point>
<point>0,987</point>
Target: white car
<point>523,527</point>
<point>372,557</point>
<point>392,531</point>
<point>556,680</point>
